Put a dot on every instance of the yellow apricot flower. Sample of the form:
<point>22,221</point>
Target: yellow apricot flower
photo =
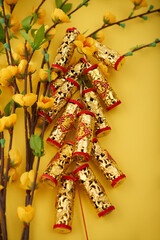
<point>16,58</point>
<point>59,15</point>
<point>104,69</point>
<point>12,174</point>
<point>45,103</point>
<point>21,49</point>
<point>25,100</point>
<point>109,18</point>
<point>40,15</point>
<point>139,3</point>
<point>1,187</point>
<point>87,45</point>
<point>27,179</point>
<point>22,66</point>
<point>8,122</point>
<point>7,75</point>
<point>32,68</point>
<point>25,214</point>
<point>99,36</point>
<point>10,2</point>
<point>14,22</point>
<point>43,75</point>
<point>15,158</point>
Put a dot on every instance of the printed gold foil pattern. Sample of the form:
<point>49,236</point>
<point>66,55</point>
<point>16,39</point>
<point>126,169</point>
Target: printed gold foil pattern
<point>108,56</point>
<point>64,204</point>
<point>84,136</point>
<point>65,50</point>
<point>93,103</point>
<point>58,165</point>
<point>102,87</point>
<point>94,189</point>
<point>106,164</point>
<point>65,122</point>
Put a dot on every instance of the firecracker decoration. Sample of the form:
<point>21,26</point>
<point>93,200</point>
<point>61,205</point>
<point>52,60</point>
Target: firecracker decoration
<point>64,204</point>
<point>102,87</point>
<point>65,123</point>
<point>65,51</point>
<point>94,189</point>
<point>106,164</point>
<point>93,104</point>
<point>84,136</point>
<point>81,119</point>
<point>58,165</point>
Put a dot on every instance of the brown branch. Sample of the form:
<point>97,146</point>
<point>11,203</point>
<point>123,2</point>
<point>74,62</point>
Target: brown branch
<point>122,21</point>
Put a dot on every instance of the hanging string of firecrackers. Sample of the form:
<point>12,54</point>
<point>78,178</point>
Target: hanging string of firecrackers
<point>96,97</point>
<point>88,113</point>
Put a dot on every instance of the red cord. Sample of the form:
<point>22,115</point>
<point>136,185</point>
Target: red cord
<point>84,222</point>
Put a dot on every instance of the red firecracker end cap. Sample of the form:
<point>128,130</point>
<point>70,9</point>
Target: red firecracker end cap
<point>80,168</point>
<point>69,142</point>
<point>42,114</point>
<point>68,177</point>
<point>57,144</point>
<point>62,228</point>
<point>94,140</point>
<point>76,102</point>
<point>87,112</point>
<point>88,90</point>
<point>59,67</point>
<point>73,81</point>
<point>83,60</point>
<point>85,155</point>
<point>108,210</point>
<point>90,68</point>
<point>102,130</point>
<point>48,177</point>
<point>114,105</point>
<point>116,180</point>
<point>119,62</point>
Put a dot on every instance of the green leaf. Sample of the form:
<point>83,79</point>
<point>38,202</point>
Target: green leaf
<point>26,36</point>
<point>33,32</point>
<point>36,144</point>
<point>7,16</point>
<point>2,34</point>
<point>26,23</point>
<point>157,40</point>
<point>105,21</point>
<point>47,57</point>
<point>67,7</point>
<point>129,54</point>
<point>0,91</point>
<point>8,108</point>
<point>122,25</point>
<point>2,21</point>
<point>35,16</point>
<point>39,36</point>
<point>58,3</point>
<point>6,46</point>
<point>153,44</point>
<point>2,142</point>
<point>150,8</point>
<point>144,17</point>
<point>0,2</point>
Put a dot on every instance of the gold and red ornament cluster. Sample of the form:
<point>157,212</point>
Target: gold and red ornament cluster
<point>87,116</point>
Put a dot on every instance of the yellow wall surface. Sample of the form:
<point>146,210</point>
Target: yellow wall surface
<point>133,141</point>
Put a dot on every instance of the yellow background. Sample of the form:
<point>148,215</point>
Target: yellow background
<point>133,141</point>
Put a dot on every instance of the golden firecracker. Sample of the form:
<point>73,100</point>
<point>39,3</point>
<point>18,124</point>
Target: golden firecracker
<point>65,51</point>
<point>59,164</point>
<point>64,204</point>
<point>94,189</point>
<point>102,87</point>
<point>93,103</point>
<point>84,136</point>
<point>106,164</point>
<point>108,56</point>
<point>65,123</point>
